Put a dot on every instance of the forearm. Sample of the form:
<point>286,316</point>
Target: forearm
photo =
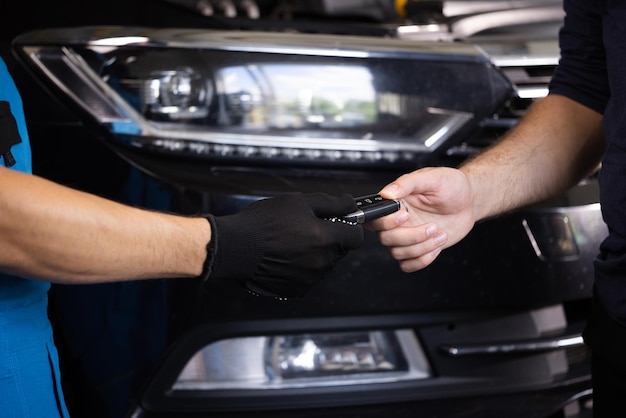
<point>54,233</point>
<point>554,146</point>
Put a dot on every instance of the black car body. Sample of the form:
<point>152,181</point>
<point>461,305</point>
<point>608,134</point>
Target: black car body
<point>136,102</point>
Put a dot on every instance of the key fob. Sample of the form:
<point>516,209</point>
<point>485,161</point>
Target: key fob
<point>370,207</point>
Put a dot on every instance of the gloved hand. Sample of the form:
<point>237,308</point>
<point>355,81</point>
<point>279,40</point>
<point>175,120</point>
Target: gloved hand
<point>282,246</point>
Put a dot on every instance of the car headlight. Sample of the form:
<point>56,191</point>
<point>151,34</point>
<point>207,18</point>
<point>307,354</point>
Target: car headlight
<point>257,96</point>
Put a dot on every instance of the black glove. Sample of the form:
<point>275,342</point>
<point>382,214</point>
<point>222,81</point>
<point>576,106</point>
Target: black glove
<point>282,246</point>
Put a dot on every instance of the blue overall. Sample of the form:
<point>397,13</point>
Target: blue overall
<point>30,383</point>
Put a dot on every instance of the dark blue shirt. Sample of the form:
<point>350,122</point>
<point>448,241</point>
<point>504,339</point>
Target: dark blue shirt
<point>592,71</point>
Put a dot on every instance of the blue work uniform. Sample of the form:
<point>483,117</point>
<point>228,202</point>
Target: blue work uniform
<point>30,384</point>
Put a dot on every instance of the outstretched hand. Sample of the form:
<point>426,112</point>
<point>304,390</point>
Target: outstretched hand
<point>437,213</point>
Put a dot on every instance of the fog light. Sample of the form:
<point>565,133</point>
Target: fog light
<point>305,360</point>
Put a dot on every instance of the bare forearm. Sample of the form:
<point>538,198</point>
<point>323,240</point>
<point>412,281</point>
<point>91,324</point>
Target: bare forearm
<point>557,144</point>
<point>54,233</point>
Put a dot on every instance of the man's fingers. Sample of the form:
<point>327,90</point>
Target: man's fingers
<point>413,183</point>
<point>415,264</point>
<point>388,222</point>
<point>415,248</point>
<point>426,234</point>
<point>418,250</point>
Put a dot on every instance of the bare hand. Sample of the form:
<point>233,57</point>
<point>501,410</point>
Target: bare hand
<point>437,213</point>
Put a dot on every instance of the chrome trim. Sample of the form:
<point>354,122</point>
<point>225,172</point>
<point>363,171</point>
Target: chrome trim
<point>528,346</point>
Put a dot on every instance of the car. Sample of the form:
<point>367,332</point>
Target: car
<point>206,106</point>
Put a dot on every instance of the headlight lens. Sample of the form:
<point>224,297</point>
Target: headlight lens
<point>302,98</point>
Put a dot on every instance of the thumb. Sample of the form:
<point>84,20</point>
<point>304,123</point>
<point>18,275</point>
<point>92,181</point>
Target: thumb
<point>401,187</point>
<point>393,191</point>
<point>424,180</point>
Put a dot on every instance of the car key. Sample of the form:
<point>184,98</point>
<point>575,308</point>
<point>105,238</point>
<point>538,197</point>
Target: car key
<point>370,207</point>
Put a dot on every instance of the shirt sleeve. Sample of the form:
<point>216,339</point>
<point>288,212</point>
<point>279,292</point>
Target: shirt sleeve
<point>582,74</point>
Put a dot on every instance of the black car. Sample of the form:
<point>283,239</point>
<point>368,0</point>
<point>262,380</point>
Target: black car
<point>205,106</point>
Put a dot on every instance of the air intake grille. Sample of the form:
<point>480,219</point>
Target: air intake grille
<point>530,78</point>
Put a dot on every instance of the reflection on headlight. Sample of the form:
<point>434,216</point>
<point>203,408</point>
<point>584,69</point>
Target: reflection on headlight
<point>305,360</point>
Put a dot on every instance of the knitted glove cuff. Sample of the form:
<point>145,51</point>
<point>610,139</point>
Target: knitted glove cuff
<point>211,249</point>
